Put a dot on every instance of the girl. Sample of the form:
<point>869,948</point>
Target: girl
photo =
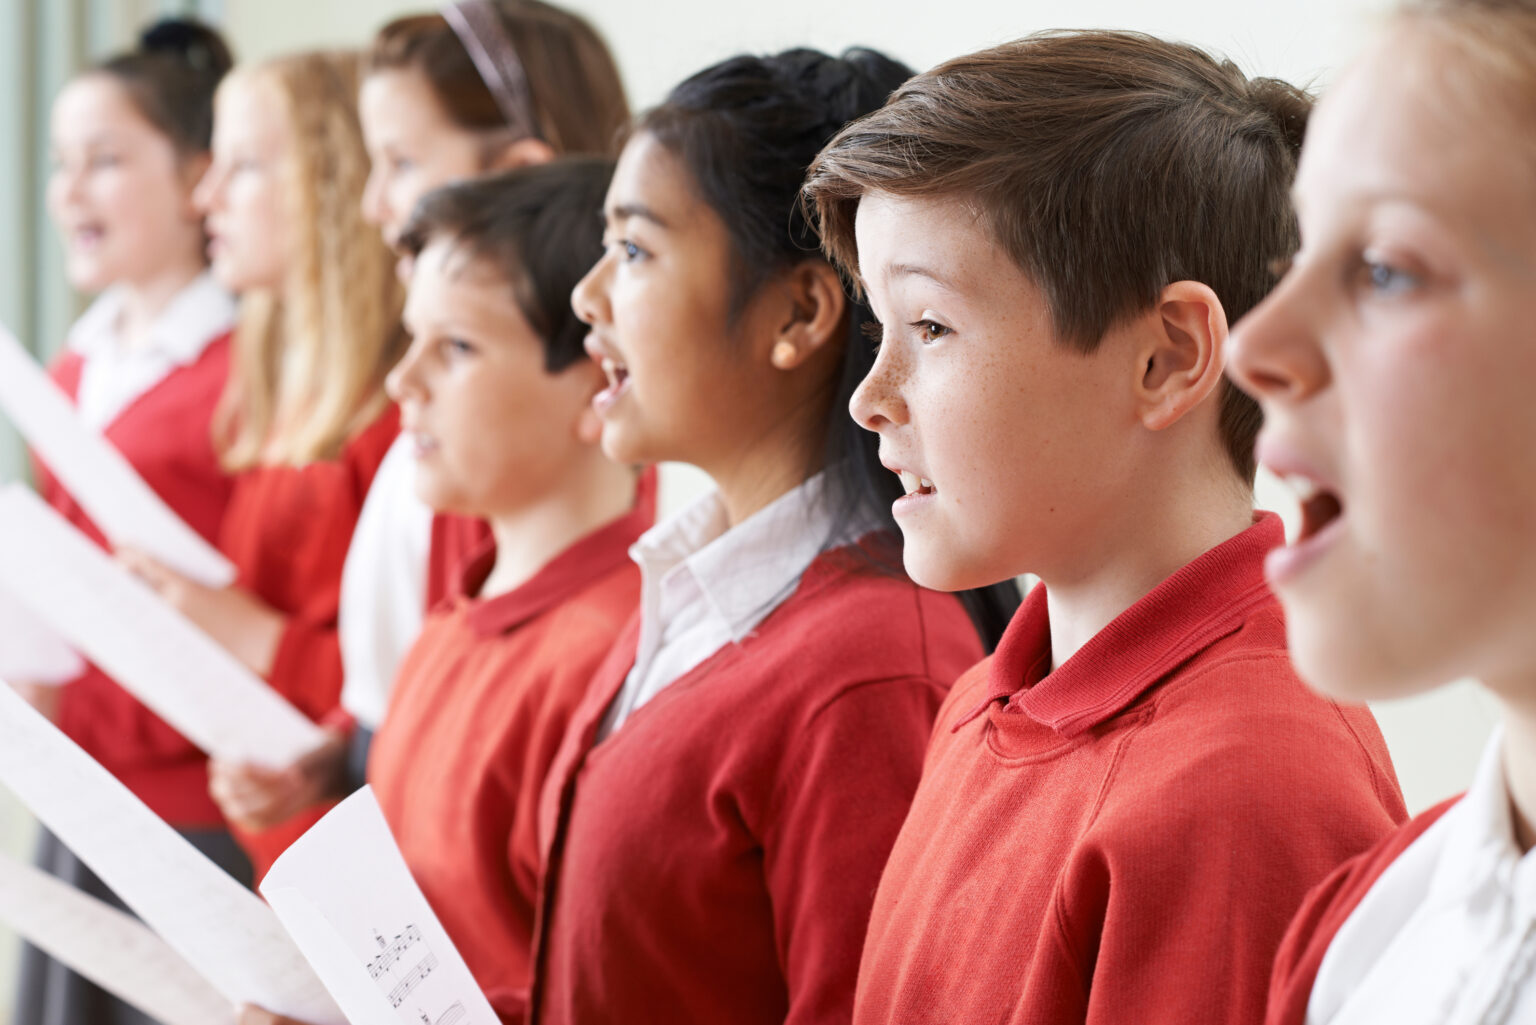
<point>432,115</point>
<point>1393,363</point>
<point>304,420</point>
<point>718,815</point>
<point>145,366</point>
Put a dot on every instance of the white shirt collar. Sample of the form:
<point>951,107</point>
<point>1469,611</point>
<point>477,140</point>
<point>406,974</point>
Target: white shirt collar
<point>1481,855</point>
<point>195,316</point>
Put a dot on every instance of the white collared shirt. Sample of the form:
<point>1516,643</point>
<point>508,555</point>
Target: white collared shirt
<point>1447,935</point>
<point>703,586</point>
<point>383,585</point>
<point>112,376</point>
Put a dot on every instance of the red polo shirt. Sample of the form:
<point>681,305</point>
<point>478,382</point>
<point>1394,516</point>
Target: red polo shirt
<point>287,532</point>
<point>713,859</point>
<point>1324,913</point>
<point>479,709</point>
<point>1124,839</point>
<point>167,435</point>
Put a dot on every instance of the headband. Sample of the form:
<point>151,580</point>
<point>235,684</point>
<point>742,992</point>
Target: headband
<point>484,37</point>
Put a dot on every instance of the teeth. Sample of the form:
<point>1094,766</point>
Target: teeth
<point>909,481</point>
<point>926,483</point>
<point>1305,488</point>
<point>613,369</point>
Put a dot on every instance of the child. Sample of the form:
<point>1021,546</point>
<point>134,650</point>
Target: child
<point>429,118</point>
<point>1394,363</point>
<point>145,366</point>
<point>495,394</point>
<point>304,420</point>
<point>1121,809</point>
<point>715,821</point>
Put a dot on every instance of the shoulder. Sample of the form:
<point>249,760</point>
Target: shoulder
<point>1325,910</point>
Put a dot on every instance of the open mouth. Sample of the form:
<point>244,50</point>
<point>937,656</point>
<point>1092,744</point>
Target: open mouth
<point>1320,507</point>
<point>616,372</point>
<point>86,236</point>
<point>912,484</point>
<point>614,369</point>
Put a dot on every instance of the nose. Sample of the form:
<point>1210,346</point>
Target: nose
<point>878,401</point>
<point>208,193</point>
<point>404,380</point>
<point>589,299</point>
<point>1275,352</point>
<point>375,205</point>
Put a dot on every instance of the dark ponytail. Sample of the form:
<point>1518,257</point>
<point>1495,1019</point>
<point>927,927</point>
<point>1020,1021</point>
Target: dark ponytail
<point>171,79</point>
<point>747,129</point>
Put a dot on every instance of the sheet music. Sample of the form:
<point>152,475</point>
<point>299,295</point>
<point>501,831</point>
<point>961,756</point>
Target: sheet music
<point>29,651</point>
<point>114,950</point>
<point>122,625</point>
<point>349,902</point>
<point>105,484</point>
<point>222,929</point>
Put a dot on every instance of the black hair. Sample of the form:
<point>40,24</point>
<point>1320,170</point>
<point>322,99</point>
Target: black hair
<point>171,79</point>
<point>747,129</point>
<point>535,225</point>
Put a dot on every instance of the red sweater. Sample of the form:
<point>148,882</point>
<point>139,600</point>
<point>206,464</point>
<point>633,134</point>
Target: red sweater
<point>481,704</point>
<point>167,435</point>
<point>713,859</point>
<point>1124,839</point>
<point>287,533</point>
<point>1324,913</point>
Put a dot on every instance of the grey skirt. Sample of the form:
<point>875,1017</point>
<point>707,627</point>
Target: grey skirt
<point>47,993</point>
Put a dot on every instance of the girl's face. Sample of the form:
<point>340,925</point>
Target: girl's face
<point>687,381</point>
<point>246,194</point>
<point>119,192</point>
<point>493,430</point>
<point>1395,363</point>
<point>413,145</point>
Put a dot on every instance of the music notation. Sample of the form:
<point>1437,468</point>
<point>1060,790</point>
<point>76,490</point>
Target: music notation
<point>389,953</point>
<point>413,978</point>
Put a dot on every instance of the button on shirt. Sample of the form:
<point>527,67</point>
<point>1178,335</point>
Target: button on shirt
<point>1447,935</point>
<point>113,376</point>
<point>704,586</point>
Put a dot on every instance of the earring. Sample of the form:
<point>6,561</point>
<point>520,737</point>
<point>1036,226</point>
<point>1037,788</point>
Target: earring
<point>783,355</point>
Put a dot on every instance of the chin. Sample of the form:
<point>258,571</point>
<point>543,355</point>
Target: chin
<point>1347,664</point>
<point>937,570</point>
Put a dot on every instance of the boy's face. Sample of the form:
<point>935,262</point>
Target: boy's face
<point>1395,363</point>
<point>1011,445</point>
<point>493,430</point>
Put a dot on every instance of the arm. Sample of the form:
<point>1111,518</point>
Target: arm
<point>848,783</point>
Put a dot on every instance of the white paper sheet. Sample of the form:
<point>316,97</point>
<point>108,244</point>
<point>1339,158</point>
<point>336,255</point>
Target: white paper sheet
<point>29,651</point>
<point>123,626</point>
<point>349,902</point>
<point>222,929</point>
<point>105,484</point>
<point>114,950</point>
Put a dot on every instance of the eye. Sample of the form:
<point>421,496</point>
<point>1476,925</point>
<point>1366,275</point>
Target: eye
<point>931,330</point>
<point>1384,278</point>
<point>630,252</point>
<point>457,348</point>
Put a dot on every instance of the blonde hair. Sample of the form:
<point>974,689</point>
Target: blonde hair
<point>1497,38</point>
<point>309,364</point>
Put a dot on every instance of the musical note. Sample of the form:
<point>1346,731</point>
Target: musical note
<point>406,986</point>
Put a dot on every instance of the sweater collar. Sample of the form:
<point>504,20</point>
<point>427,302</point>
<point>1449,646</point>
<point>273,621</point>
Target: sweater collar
<point>1189,611</point>
<point>589,559</point>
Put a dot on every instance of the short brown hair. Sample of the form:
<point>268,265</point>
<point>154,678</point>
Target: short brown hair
<point>1107,164</point>
<point>578,96</point>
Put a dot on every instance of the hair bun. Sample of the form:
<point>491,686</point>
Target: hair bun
<point>198,46</point>
<point>1286,105</point>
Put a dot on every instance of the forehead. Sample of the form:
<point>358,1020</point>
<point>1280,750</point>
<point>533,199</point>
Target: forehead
<point>653,182</point>
<point>399,96</point>
<point>940,238</point>
<point>95,102</point>
<point>1404,123</point>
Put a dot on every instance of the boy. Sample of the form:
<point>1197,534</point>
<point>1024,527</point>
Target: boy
<point>1122,807</point>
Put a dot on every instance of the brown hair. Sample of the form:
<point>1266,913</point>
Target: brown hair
<point>578,97</point>
<point>171,79</point>
<point>309,363</point>
<point>1107,164</point>
<point>535,227</point>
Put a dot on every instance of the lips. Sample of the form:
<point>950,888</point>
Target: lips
<point>1322,510</point>
<point>912,484</point>
<point>1320,506</point>
<point>614,368</point>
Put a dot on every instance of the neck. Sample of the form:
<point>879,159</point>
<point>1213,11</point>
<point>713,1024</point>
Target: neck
<point>770,464</point>
<point>1137,546</point>
<point>145,299</point>
<point>1520,766</point>
<point>528,537</point>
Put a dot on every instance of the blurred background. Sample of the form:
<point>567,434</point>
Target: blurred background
<point>1435,739</point>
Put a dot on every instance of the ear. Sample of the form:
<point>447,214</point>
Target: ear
<point>811,317</point>
<point>1184,353</point>
<point>522,153</point>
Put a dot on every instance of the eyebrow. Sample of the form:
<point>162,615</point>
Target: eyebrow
<point>919,271</point>
<point>625,211</point>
